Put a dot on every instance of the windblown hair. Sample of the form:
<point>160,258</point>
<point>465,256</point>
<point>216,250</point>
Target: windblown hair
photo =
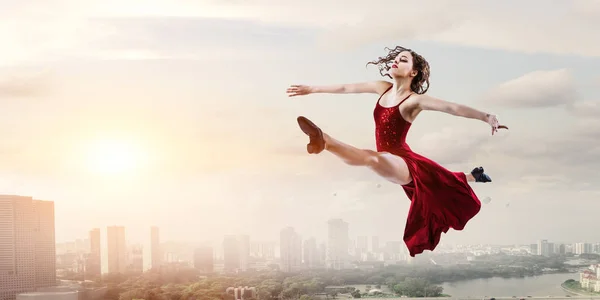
<point>420,83</point>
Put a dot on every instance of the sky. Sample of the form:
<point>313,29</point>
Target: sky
<point>191,96</point>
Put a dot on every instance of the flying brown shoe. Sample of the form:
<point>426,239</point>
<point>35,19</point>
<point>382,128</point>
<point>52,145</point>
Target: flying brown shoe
<point>317,143</point>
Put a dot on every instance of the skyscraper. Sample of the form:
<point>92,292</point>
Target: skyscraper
<point>244,244</point>
<point>337,244</point>
<point>27,245</point>
<point>94,260</point>
<point>290,249</point>
<point>117,249</point>
<point>135,259</point>
<point>375,244</point>
<point>311,253</point>
<point>236,253</point>
<point>362,245</point>
<point>155,252</point>
<point>45,243</point>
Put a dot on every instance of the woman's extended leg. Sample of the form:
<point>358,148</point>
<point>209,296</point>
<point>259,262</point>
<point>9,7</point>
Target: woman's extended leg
<point>387,165</point>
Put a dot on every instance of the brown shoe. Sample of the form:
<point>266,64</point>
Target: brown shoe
<point>317,143</point>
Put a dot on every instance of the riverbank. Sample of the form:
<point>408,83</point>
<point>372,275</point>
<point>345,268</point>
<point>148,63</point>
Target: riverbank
<point>535,286</point>
<point>577,291</point>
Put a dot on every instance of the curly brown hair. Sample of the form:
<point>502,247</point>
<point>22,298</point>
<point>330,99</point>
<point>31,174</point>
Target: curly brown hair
<point>419,84</point>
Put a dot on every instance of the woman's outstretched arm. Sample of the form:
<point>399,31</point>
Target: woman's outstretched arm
<point>426,102</point>
<point>373,87</point>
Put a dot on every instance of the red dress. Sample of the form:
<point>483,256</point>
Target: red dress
<point>440,199</point>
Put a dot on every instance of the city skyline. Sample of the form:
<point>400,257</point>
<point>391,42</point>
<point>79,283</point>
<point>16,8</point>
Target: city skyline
<point>293,253</point>
<point>34,221</point>
<point>174,114</point>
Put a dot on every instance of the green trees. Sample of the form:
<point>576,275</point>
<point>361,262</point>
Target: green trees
<point>269,287</point>
<point>401,280</point>
<point>417,287</point>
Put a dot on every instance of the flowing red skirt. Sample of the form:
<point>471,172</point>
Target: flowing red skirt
<point>440,200</point>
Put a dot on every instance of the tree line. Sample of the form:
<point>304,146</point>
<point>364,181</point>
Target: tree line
<point>400,280</point>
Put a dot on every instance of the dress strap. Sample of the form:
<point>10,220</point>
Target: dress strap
<point>391,86</point>
<point>405,99</point>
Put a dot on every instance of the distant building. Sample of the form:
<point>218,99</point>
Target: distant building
<point>27,245</point>
<point>290,250</point>
<point>589,279</point>
<point>242,293</point>
<point>117,249</point>
<point>155,251</point>
<point>312,257</point>
<point>337,244</point>
<point>582,248</point>
<point>94,260</point>
<point>203,259</point>
<point>236,253</point>
<point>136,259</point>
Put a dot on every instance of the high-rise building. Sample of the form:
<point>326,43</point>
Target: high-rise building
<point>375,244</point>
<point>27,245</point>
<point>362,245</point>
<point>290,250</point>
<point>203,259</point>
<point>135,259</point>
<point>94,260</point>
<point>311,253</point>
<point>265,250</point>
<point>533,248</point>
<point>236,253</point>
<point>117,249</point>
<point>393,250</point>
<point>337,244</point>
<point>155,251</point>
<point>544,248</point>
<point>244,244</point>
<point>581,248</point>
<point>45,243</point>
<point>322,252</point>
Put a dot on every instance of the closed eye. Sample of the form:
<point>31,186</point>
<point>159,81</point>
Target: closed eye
<point>403,59</point>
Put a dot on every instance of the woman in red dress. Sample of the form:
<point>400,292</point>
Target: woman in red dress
<point>440,199</point>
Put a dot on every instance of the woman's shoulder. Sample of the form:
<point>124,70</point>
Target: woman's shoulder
<point>382,86</point>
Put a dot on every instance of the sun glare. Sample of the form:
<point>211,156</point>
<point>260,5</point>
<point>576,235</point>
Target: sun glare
<point>113,157</point>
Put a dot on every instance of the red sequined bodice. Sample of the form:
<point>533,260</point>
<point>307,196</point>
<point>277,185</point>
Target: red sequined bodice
<point>390,128</point>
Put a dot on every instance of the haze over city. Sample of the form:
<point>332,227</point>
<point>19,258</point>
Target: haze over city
<point>174,114</point>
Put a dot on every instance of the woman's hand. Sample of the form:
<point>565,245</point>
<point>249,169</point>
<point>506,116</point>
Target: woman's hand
<point>298,90</point>
<point>493,121</point>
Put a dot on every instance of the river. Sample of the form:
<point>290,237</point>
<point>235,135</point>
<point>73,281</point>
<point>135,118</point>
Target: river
<point>542,285</point>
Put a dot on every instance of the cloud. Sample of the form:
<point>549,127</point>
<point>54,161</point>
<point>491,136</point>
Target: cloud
<point>56,29</point>
<point>452,145</point>
<point>480,24</point>
<point>567,155</point>
<point>466,22</point>
<point>572,151</point>
<point>24,85</point>
<point>545,88</point>
<point>585,109</point>
<point>532,182</point>
<point>587,128</point>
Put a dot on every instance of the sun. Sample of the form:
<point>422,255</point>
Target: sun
<point>113,156</point>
